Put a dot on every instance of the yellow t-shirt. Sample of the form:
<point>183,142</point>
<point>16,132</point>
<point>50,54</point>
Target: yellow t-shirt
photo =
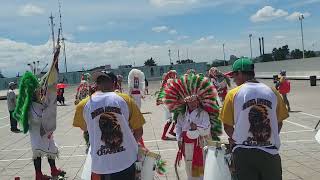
<point>136,119</point>
<point>254,110</point>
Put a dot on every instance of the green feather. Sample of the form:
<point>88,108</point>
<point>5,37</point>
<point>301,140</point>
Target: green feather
<point>27,86</point>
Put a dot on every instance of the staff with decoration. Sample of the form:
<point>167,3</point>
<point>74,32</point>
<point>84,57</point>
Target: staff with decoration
<point>36,111</point>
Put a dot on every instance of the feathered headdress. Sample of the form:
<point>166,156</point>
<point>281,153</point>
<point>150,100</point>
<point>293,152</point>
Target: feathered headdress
<point>27,87</point>
<point>136,80</point>
<point>172,74</point>
<point>194,87</point>
<point>191,71</point>
<point>191,87</point>
<point>213,72</point>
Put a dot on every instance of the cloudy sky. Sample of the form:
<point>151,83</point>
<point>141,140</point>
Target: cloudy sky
<point>119,32</point>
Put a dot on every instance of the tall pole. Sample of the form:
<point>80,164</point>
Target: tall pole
<point>301,17</point>
<point>63,39</point>
<point>224,55</point>
<point>169,53</point>
<point>187,53</point>
<point>250,36</point>
<point>260,46</point>
<point>52,31</point>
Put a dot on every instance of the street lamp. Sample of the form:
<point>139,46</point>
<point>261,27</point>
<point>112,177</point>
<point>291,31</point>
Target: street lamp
<point>250,36</point>
<point>301,17</point>
<point>224,55</point>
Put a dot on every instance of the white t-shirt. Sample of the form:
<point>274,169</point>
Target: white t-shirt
<point>256,124</point>
<point>11,100</point>
<point>198,116</point>
<point>106,158</point>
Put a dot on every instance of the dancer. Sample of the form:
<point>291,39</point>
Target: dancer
<point>253,115</point>
<point>36,111</point>
<point>193,97</point>
<point>172,74</point>
<point>136,85</point>
<point>220,81</point>
<point>84,88</point>
<point>119,83</point>
<point>283,86</point>
<point>146,92</point>
<point>60,93</point>
<point>125,120</point>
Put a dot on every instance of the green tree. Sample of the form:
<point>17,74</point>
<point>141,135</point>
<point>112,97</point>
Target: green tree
<point>150,62</point>
<point>296,54</point>
<point>309,54</point>
<point>281,53</point>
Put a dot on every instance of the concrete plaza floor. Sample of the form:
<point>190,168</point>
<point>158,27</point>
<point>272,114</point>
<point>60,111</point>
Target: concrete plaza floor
<point>300,152</point>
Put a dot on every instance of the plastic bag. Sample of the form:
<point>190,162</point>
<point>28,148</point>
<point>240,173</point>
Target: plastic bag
<point>216,166</point>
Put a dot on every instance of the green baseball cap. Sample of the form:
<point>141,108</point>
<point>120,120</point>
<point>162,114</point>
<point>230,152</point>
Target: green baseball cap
<point>243,64</point>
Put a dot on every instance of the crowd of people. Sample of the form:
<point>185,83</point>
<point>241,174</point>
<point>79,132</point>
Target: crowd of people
<point>195,106</point>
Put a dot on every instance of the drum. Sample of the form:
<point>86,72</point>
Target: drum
<point>148,161</point>
<point>216,166</point>
<point>86,172</point>
<point>318,136</point>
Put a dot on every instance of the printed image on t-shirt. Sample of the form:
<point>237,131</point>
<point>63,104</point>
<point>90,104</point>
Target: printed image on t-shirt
<point>136,82</point>
<point>111,134</point>
<point>260,126</point>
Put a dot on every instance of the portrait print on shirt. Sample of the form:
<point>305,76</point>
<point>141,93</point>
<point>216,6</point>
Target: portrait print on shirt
<point>260,124</point>
<point>111,134</point>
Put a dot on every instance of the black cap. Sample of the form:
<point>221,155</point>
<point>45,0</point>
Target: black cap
<point>110,75</point>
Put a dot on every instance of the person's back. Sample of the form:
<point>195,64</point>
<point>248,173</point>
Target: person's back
<point>252,114</point>
<point>256,121</point>
<point>113,146</point>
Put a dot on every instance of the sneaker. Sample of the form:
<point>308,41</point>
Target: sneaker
<point>16,130</point>
<point>57,173</point>
<point>173,134</point>
<point>42,177</point>
<point>164,138</point>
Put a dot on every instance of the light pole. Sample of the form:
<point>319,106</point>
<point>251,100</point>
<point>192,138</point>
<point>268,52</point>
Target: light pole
<point>250,36</point>
<point>301,17</point>
<point>169,53</point>
<point>224,55</point>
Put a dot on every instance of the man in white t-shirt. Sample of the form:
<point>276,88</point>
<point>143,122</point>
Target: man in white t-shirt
<point>114,126</point>
<point>252,115</point>
<point>11,102</point>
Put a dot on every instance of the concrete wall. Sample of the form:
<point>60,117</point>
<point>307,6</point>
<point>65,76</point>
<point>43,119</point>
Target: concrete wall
<point>296,67</point>
<point>150,73</point>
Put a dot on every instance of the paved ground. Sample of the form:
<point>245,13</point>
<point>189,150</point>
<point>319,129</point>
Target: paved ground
<point>300,152</point>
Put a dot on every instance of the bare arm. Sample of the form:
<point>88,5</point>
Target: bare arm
<point>137,133</point>
<point>280,126</point>
<point>229,130</point>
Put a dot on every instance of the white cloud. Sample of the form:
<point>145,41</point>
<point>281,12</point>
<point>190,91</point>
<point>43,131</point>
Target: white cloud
<point>268,13</point>
<point>279,37</point>
<point>182,37</point>
<point>82,28</point>
<point>295,16</point>
<point>160,29</point>
<point>169,42</point>
<point>172,31</point>
<point>30,10</point>
<point>205,39</point>
<point>163,3</point>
